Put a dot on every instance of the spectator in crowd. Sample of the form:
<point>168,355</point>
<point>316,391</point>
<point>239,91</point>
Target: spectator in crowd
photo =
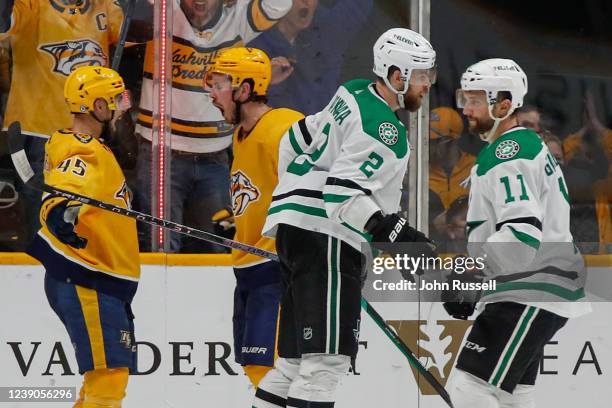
<point>447,228</point>
<point>580,175</point>
<point>449,165</point>
<point>588,173</point>
<point>529,116</point>
<point>311,41</point>
<point>49,39</point>
<point>200,138</point>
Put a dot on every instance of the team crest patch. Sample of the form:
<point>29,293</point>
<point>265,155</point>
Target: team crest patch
<point>124,194</point>
<point>63,5</point>
<point>243,192</point>
<point>70,55</point>
<point>388,133</point>
<point>507,149</point>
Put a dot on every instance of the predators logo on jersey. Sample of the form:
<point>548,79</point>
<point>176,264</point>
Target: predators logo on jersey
<point>124,194</point>
<point>69,55</point>
<point>62,5</point>
<point>243,192</point>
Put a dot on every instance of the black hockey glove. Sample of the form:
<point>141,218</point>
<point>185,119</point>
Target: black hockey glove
<point>224,224</point>
<point>393,228</point>
<point>61,221</point>
<point>461,304</point>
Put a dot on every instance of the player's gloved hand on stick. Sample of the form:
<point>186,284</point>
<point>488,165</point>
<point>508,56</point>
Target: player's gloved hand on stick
<point>61,221</point>
<point>223,222</point>
<point>460,304</point>
<point>393,228</point>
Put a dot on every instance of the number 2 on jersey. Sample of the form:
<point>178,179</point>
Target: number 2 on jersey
<point>374,163</point>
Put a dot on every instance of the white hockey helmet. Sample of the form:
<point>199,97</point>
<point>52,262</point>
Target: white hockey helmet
<point>495,75</point>
<point>492,76</point>
<point>406,50</point>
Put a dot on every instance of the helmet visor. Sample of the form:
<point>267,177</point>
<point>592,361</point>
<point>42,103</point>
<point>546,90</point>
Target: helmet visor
<point>123,101</point>
<point>421,77</point>
<point>216,81</point>
<point>470,99</point>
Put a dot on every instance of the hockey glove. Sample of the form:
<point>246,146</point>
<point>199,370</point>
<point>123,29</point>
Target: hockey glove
<point>393,228</point>
<point>460,304</point>
<point>61,221</point>
<point>223,222</point>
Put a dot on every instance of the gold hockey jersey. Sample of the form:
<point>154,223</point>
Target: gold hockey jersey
<point>254,176</point>
<point>49,41</point>
<point>110,262</point>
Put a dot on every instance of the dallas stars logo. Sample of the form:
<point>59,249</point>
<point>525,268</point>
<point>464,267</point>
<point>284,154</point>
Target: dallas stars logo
<point>507,149</point>
<point>388,133</point>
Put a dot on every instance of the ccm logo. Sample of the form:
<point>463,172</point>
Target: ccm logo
<point>398,227</point>
<point>473,346</point>
<point>254,350</point>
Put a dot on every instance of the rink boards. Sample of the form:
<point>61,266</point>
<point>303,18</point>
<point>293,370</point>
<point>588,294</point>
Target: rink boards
<point>184,330</point>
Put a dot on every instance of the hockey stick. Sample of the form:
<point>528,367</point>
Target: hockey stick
<point>25,171</point>
<point>127,19</point>
<point>399,343</point>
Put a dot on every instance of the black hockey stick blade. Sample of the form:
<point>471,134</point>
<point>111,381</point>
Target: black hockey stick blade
<point>412,359</point>
<point>18,155</point>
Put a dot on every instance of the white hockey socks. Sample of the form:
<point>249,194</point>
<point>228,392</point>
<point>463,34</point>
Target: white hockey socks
<point>468,391</point>
<point>274,387</point>
<point>522,397</point>
<point>317,380</point>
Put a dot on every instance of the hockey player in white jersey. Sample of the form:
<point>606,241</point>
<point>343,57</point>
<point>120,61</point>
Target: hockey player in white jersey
<point>518,220</point>
<point>340,191</point>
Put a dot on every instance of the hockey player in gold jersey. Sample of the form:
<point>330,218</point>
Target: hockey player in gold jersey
<point>91,255</point>
<point>238,80</point>
<point>49,39</point>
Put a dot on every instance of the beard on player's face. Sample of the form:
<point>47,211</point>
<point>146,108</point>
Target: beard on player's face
<point>412,102</point>
<point>480,125</point>
<point>413,98</point>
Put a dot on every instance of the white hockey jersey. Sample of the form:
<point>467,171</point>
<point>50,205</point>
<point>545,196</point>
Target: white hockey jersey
<point>197,125</point>
<point>518,218</point>
<point>353,167</point>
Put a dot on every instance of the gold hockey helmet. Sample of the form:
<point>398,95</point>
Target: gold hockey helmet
<point>86,84</point>
<point>240,64</point>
